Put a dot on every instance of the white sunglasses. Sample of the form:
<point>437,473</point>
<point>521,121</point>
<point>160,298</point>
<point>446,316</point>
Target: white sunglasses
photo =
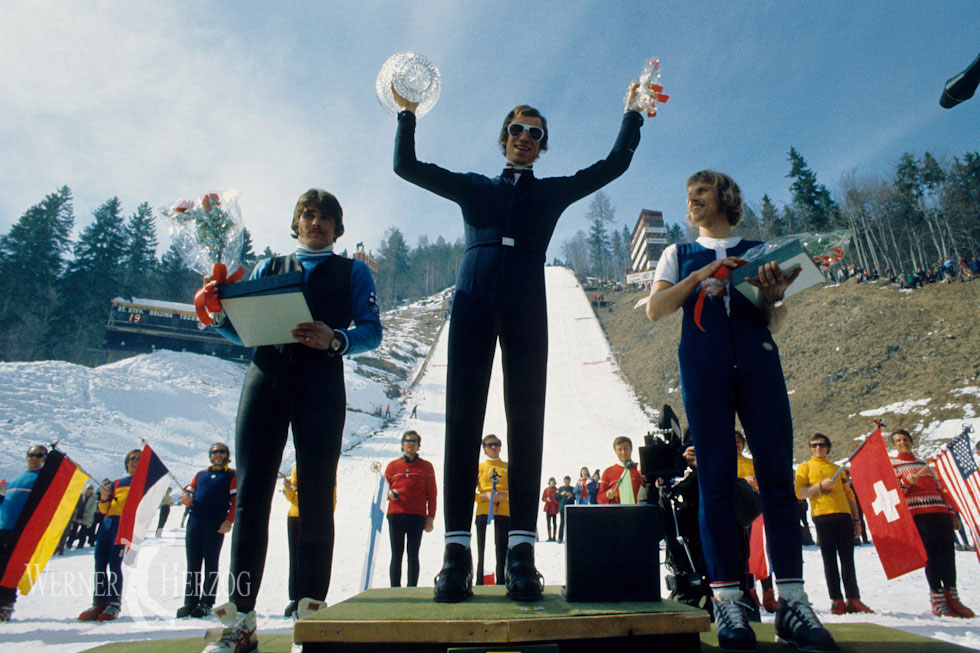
<point>515,129</point>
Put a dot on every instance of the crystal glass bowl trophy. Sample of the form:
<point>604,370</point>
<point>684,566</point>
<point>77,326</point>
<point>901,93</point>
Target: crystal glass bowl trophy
<point>414,77</point>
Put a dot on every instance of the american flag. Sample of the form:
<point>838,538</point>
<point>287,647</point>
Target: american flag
<point>959,474</point>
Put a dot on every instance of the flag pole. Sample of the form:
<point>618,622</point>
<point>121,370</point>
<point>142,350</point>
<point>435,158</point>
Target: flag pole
<point>879,424</point>
<point>169,473</point>
<point>54,447</point>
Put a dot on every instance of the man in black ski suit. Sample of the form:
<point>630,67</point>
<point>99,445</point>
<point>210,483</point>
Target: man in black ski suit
<point>508,222</point>
<point>297,387</point>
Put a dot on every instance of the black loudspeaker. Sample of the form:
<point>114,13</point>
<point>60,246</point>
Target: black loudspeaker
<point>612,553</point>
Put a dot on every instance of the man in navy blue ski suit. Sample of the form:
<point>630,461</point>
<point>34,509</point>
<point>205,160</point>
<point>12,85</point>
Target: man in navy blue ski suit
<point>508,222</point>
<point>730,365</point>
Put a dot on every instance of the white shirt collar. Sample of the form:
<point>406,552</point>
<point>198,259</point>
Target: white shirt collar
<point>714,243</point>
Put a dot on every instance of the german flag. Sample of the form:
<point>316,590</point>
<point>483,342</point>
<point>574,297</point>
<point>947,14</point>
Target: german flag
<point>45,515</point>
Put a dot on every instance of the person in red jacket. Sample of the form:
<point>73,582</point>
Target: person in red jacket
<point>613,487</point>
<point>411,507</point>
<point>551,507</point>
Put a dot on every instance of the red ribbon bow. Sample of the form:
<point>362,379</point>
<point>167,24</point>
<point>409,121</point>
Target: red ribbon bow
<point>721,274</point>
<point>206,299</point>
<point>658,92</point>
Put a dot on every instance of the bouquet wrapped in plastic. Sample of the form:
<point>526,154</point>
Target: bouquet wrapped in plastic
<point>208,233</point>
<point>650,93</point>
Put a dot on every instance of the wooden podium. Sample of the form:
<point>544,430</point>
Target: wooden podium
<point>407,619</point>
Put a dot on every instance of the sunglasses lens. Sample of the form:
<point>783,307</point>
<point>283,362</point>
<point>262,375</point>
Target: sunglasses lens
<point>515,129</point>
<point>224,451</point>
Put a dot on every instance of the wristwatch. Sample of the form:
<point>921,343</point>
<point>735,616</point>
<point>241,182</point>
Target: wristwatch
<point>775,304</point>
<point>336,344</point>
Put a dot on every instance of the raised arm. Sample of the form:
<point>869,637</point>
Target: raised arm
<point>451,185</point>
<point>587,181</point>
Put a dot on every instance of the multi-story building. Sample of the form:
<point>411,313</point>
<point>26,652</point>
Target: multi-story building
<point>648,242</point>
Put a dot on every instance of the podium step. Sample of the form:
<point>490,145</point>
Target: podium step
<point>407,619</point>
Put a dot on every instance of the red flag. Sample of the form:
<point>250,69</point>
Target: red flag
<point>889,520</point>
<point>758,559</point>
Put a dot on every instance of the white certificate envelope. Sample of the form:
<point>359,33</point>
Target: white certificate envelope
<point>265,311</point>
<point>789,257</point>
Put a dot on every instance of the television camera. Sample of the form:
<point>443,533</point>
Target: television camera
<point>663,465</point>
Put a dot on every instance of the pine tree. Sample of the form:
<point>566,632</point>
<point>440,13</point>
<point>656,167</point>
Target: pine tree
<point>616,253</point>
<point>91,281</point>
<point>620,253</point>
<point>30,264</point>
<point>627,247</point>
<point>675,234</point>
<point>772,223</point>
<point>598,241</point>
<point>812,200</point>
<point>393,267</point>
<point>139,258</point>
<point>248,257</point>
<point>267,253</point>
<point>175,282</point>
<point>600,212</point>
<point>750,226</point>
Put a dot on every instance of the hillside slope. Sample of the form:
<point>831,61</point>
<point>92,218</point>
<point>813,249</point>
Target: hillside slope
<point>911,357</point>
<point>181,402</point>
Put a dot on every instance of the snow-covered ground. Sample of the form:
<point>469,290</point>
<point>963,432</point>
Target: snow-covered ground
<point>182,402</point>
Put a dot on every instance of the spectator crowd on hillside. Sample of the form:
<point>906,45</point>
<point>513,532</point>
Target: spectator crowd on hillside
<point>945,271</point>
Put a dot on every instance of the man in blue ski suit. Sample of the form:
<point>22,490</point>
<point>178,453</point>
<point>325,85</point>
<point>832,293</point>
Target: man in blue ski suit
<point>730,365</point>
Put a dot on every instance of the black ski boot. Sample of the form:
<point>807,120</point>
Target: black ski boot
<point>524,583</point>
<point>455,582</point>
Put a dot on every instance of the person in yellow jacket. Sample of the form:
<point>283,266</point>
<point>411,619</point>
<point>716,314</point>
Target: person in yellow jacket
<point>492,466</point>
<point>835,516</point>
<point>746,468</point>
<point>292,534</point>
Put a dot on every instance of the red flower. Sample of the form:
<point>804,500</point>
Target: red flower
<point>211,199</point>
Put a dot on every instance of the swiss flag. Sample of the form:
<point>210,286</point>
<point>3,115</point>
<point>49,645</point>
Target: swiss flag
<point>889,520</point>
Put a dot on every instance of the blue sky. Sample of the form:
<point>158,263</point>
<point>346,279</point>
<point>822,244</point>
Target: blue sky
<point>156,101</point>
